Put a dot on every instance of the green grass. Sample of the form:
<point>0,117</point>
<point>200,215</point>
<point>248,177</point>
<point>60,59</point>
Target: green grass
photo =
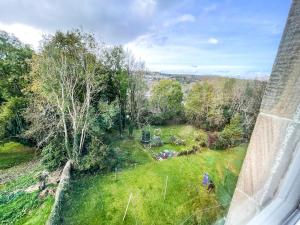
<point>12,154</point>
<point>135,148</point>
<point>38,216</point>
<point>185,132</point>
<point>102,199</point>
<point>137,153</point>
<point>18,206</point>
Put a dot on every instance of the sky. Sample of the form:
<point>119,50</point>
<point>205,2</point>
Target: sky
<point>236,38</point>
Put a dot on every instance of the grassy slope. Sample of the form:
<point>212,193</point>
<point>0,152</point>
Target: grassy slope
<point>13,153</point>
<point>17,206</point>
<point>102,199</point>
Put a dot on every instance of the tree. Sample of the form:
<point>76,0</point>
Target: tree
<point>243,97</point>
<point>115,82</point>
<point>203,107</point>
<point>233,132</point>
<point>137,102</point>
<point>64,76</point>
<point>166,99</point>
<point>230,136</point>
<point>14,66</point>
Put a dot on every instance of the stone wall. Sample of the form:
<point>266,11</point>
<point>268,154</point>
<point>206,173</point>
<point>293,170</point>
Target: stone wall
<point>54,217</point>
<point>276,135</point>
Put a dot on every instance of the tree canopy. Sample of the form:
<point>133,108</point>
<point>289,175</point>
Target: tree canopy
<point>166,99</point>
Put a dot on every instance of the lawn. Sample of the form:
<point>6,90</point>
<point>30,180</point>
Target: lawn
<point>12,154</point>
<point>17,206</point>
<point>19,169</point>
<point>137,150</point>
<point>163,192</point>
<point>185,132</point>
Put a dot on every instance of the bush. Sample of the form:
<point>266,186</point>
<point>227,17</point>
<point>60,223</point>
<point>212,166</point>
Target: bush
<point>233,132</point>
<point>176,141</point>
<point>101,157</point>
<point>54,155</point>
<point>220,142</point>
<point>231,136</point>
<point>157,119</point>
<point>202,138</point>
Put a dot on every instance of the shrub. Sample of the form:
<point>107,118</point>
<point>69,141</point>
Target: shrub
<point>231,136</point>
<point>220,142</point>
<point>233,132</point>
<point>54,155</point>
<point>157,119</point>
<point>101,157</point>
<point>202,138</point>
<point>176,141</point>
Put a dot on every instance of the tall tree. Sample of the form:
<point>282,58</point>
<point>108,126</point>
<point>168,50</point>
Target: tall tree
<point>203,107</point>
<point>116,81</point>
<point>166,99</point>
<point>64,75</point>
<point>14,66</point>
<point>136,88</point>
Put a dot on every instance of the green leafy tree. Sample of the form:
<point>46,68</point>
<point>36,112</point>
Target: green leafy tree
<point>231,135</point>
<point>115,81</point>
<point>64,79</point>
<point>203,107</point>
<point>233,132</point>
<point>166,99</point>
<point>14,66</point>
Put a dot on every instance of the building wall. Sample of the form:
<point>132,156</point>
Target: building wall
<point>276,136</point>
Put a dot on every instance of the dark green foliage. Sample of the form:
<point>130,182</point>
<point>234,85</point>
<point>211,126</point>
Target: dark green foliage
<point>14,66</point>
<point>12,122</point>
<point>101,157</point>
<point>232,135</point>
<point>114,85</point>
<point>157,119</point>
<point>54,155</point>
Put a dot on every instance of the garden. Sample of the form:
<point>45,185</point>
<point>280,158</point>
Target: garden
<point>162,192</point>
<point>139,150</point>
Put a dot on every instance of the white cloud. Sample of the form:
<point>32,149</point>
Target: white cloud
<point>180,19</point>
<point>213,41</point>
<point>26,34</point>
